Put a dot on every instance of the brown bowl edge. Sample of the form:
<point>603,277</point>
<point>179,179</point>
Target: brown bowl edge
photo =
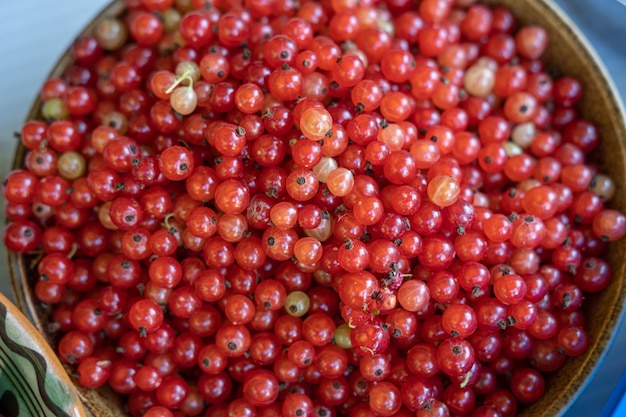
<point>573,377</point>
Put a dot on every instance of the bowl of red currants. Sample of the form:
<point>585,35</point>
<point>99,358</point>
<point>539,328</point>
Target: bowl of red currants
<point>323,208</point>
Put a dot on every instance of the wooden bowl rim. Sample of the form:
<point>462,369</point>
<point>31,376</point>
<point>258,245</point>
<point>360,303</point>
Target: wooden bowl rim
<point>25,297</point>
<point>615,316</point>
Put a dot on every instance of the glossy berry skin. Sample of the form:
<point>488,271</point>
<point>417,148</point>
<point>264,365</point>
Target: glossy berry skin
<point>195,29</point>
<point>260,388</point>
<point>176,163</point>
<point>22,236</point>
<point>609,225</point>
<point>93,372</point>
<point>56,268</point>
<point>20,186</point>
<point>370,339</point>
<point>413,295</point>
<point>337,208</point>
<point>459,320</point>
<point>455,356</point>
<point>146,316</point>
<point>527,385</point>
<point>385,399</point>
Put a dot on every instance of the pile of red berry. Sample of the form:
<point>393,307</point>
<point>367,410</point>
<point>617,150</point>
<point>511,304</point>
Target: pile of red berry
<point>318,208</point>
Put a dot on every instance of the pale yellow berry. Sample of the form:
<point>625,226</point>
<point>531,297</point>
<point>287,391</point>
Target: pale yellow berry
<point>116,120</point>
<point>171,20</point>
<point>71,165</point>
<point>297,303</point>
<point>184,100</point>
<point>480,200</point>
<point>479,81</point>
<point>603,186</point>
<point>487,62</point>
<point>111,34</point>
<point>54,109</point>
<point>342,336</point>
<point>523,134</point>
<point>323,231</point>
<point>528,184</point>
<point>188,72</point>
<point>324,167</point>
<point>512,148</point>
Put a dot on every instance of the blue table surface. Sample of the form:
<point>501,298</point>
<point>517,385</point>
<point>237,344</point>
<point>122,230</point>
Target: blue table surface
<point>33,34</point>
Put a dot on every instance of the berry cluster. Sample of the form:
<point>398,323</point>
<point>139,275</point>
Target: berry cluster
<point>318,208</point>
